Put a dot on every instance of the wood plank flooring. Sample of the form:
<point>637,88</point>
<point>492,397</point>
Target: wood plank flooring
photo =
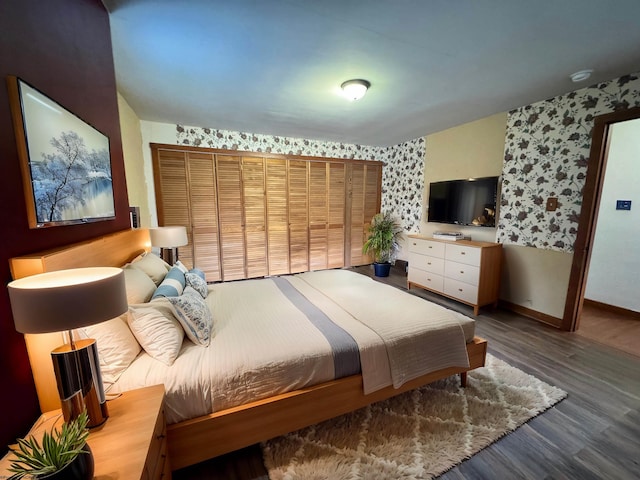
<point>592,434</point>
<point>612,328</point>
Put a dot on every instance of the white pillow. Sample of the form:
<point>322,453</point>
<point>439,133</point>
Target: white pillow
<point>157,330</point>
<point>153,266</point>
<point>117,347</point>
<point>192,312</point>
<point>139,286</point>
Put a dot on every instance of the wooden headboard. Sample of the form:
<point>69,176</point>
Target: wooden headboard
<point>113,250</point>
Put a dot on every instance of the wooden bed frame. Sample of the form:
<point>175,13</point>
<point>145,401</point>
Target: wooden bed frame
<point>205,437</point>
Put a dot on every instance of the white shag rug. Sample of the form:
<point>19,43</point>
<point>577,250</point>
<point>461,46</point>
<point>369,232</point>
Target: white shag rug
<point>416,435</point>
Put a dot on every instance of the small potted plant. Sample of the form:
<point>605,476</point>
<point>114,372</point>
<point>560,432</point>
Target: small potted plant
<point>384,233</point>
<point>61,454</point>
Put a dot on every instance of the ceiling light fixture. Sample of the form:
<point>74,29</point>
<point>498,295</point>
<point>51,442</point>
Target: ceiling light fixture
<point>581,76</point>
<point>355,89</point>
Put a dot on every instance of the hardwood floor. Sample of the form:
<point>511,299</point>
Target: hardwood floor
<point>592,434</point>
<point>611,328</point>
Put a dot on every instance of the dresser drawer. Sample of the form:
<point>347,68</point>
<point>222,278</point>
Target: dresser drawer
<point>426,263</point>
<point>463,254</point>
<point>463,291</point>
<point>462,272</point>
<point>426,279</point>
<point>426,247</point>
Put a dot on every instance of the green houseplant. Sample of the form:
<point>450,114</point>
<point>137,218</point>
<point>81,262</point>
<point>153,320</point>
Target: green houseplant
<point>60,454</point>
<point>382,244</point>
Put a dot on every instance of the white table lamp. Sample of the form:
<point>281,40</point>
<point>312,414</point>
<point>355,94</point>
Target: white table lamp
<point>168,239</point>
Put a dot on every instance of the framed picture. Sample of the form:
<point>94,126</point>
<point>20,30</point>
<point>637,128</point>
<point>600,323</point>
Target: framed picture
<point>65,162</point>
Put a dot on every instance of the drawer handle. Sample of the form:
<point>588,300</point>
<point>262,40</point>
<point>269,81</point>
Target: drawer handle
<point>428,263</point>
<point>459,289</point>
<point>430,246</point>
<point>414,244</point>
<point>461,271</point>
<point>463,253</point>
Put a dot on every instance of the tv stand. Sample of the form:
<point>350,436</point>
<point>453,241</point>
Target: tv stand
<point>463,270</point>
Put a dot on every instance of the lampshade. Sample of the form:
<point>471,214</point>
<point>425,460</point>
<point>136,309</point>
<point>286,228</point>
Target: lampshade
<point>67,299</point>
<point>168,237</point>
<point>355,89</point>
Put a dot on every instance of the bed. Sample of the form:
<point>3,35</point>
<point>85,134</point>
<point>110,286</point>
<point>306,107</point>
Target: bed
<point>311,380</point>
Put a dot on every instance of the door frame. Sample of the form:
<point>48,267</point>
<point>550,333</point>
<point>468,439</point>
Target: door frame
<point>592,191</point>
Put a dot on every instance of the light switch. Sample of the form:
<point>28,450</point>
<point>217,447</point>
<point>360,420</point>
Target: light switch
<point>623,204</point>
<point>552,204</point>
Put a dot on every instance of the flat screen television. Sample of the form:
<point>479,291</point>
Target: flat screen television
<point>464,202</point>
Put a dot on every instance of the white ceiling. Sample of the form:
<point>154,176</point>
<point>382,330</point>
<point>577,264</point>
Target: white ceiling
<point>274,66</point>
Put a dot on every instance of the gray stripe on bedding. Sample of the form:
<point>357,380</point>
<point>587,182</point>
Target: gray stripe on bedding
<point>346,357</point>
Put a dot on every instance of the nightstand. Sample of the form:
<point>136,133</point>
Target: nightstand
<point>131,444</point>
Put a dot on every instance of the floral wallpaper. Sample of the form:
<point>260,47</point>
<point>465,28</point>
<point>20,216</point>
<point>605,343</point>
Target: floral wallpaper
<point>402,175</point>
<point>547,147</point>
<point>403,182</point>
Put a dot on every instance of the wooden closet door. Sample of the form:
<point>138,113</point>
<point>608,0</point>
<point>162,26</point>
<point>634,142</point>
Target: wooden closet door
<point>204,215</point>
<point>364,203</point>
<point>172,195</point>
<point>253,180</point>
<point>230,214</point>
<point>318,215</point>
<point>336,221</point>
<point>277,216</point>
<point>298,216</point>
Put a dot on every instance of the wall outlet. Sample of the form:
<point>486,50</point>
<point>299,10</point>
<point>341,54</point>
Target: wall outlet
<point>552,204</point>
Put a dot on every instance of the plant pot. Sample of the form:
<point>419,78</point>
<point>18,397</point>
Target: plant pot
<point>381,269</point>
<point>80,468</point>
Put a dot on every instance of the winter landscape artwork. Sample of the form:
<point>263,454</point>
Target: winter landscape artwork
<point>66,164</point>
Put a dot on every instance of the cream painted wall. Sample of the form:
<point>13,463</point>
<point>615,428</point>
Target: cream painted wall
<point>133,160</point>
<point>615,257</point>
<point>474,149</point>
<point>535,278</point>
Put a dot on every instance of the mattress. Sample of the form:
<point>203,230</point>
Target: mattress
<point>275,335</point>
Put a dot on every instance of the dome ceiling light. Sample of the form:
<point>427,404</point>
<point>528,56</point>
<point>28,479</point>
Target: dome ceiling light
<point>355,89</point>
<point>581,76</point>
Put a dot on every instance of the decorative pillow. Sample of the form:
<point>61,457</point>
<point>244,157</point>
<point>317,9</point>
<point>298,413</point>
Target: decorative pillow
<point>153,266</point>
<point>181,266</point>
<point>139,286</point>
<point>194,315</point>
<point>198,272</point>
<point>117,347</point>
<point>172,285</point>
<point>198,284</point>
<point>157,330</point>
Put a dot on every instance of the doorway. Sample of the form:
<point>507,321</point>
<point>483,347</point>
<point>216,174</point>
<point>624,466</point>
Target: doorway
<point>592,196</point>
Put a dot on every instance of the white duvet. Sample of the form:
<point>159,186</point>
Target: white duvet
<point>263,345</point>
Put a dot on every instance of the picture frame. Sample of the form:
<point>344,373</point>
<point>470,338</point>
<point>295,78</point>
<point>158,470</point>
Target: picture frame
<point>65,162</point>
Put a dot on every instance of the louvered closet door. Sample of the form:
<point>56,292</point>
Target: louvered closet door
<point>364,204</point>
<point>372,194</point>
<point>336,221</point>
<point>172,195</point>
<point>277,216</point>
<point>298,216</point>
<point>230,214</point>
<point>253,180</point>
<point>204,214</point>
<point>318,216</point>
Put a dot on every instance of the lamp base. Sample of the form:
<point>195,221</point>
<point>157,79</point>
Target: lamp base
<point>79,381</point>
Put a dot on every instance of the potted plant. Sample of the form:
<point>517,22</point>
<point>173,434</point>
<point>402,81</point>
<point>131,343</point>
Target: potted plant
<point>61,454</point>
<point>384,233</point>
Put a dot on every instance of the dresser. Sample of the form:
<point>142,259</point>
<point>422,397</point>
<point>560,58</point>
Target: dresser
<point>130,445</point>
<point>463,270</point>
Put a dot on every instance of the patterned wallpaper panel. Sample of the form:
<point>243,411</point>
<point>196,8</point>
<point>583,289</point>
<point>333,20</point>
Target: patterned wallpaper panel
<point>402,175</point>
<point>547,147</point>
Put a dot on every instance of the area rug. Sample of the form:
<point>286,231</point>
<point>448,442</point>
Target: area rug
<point>416,435</point>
